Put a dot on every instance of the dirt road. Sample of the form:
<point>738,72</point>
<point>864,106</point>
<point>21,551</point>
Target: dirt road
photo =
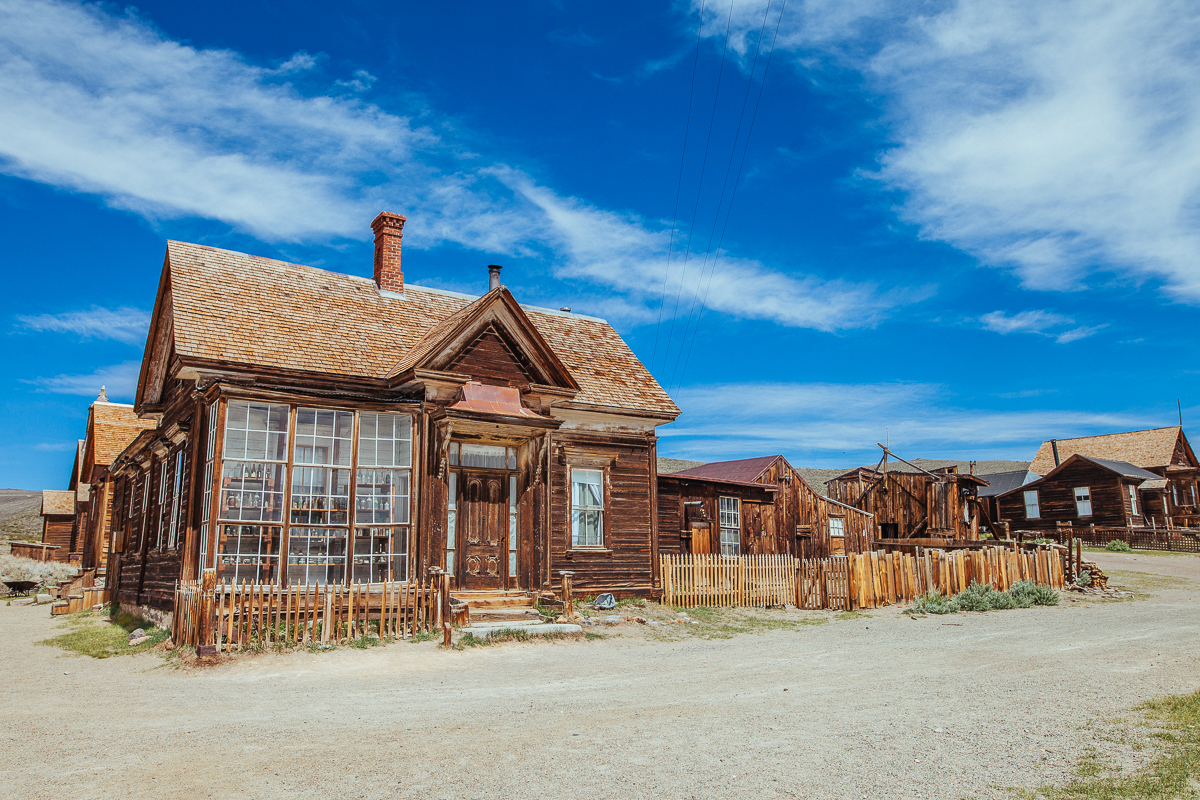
<point>885,706</point>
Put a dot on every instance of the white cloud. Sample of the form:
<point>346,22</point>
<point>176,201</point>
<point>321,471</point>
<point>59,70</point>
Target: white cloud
<point>1055,138</point>
<point>817,424</point>
<point>1045,323</point>
<point>107,105</point>
<point>120,380</point>
<point>128,325</point>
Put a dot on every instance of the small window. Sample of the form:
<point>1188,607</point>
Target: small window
<point>1083,501</point>
<point>587,507</point>
<point>1193,488</point>
<point>1132,499</point>
<point>1174,494</point>
<point>1032,511</point>
<point>730,513</point>
<point>837,527</point>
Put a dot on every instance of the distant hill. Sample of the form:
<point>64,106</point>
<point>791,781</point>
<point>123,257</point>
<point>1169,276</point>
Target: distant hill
<point>20,516</point>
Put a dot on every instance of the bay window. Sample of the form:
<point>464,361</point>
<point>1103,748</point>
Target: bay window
<point>334,496</point>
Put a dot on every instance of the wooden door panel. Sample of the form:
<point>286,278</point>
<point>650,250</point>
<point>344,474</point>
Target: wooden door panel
<point>484,504</point>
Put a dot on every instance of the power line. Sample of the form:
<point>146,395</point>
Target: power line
<point>678,185</point>
<point>736,184</point>
<point>724,185</point>
<point>699,187</point>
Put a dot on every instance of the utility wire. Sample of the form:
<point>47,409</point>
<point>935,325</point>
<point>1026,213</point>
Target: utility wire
<point>724,186</point>
<point>700,186</point>
<point>736,184</point>
<point>678,186</point>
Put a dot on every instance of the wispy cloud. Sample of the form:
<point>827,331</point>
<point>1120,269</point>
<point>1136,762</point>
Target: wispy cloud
<point>119,379</point>
<point>54,447</point>
<point>106,105</point>
<point>128,325</point>
<point>1057,139</point>
<point>838,424</point>
<point>1044,323</point>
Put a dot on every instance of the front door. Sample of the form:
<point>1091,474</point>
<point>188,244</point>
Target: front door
<point>483,502</point>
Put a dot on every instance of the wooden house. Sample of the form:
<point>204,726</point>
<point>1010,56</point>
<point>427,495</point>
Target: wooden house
<point>58,522</point>
<point>317,427</point>
<point>110,429</point>
<point>755,506</point>
<point>1171,499</point>
<point>914,502</point>
<point>1082,491</point>
<point>999,483</point>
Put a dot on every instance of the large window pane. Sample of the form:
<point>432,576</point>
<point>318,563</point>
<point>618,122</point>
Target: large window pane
<point>255,431</point>
<point>252,491</point>
<point>320,496</point>
<point>587,508</point>
<point>323,437</point>
<point>381,496</point>
<point>384,440</point>
<point>248,553</point>
<point>316,555</point>
<point>381,554</point>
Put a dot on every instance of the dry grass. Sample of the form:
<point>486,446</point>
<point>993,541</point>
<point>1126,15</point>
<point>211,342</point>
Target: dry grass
<point>1172,773</point>
<point>15,568</point>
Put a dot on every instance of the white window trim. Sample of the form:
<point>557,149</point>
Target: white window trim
<point>729,520</point>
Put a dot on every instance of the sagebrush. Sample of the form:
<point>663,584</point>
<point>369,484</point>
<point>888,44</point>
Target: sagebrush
<point>15,568</point>
<point>984,597</point>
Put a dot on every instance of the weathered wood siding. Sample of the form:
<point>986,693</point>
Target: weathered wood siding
<point>1056,499</point>
<point>625,564</point>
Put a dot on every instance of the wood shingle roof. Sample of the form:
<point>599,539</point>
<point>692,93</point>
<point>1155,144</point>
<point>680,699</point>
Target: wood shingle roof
<point>238,310</point>
<point>1146,449</point>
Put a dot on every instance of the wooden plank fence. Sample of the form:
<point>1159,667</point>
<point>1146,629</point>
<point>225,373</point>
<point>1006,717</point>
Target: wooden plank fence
<point>256,615</point>
<point>858,580</point>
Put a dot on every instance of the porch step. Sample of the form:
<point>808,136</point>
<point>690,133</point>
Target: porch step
<point>479,601</point>
<point>504,615</point>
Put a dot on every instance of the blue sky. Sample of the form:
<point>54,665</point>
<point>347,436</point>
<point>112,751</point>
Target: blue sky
<point>966,226</point>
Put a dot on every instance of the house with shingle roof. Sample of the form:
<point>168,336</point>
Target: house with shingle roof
<point>1167,497</point>
<point>318,427</point>
<point>755,506</point>
<point>83,532</point>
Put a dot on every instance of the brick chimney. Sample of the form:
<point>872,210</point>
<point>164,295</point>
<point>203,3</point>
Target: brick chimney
<point>389,229</point>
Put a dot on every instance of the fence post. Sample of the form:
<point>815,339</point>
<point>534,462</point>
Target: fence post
<point>568,595</point>
<point>445,608</point>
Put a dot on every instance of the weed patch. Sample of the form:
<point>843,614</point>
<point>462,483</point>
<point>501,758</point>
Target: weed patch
<point>1170,774</point>
<point>984,597</point>
<point>91,637</point>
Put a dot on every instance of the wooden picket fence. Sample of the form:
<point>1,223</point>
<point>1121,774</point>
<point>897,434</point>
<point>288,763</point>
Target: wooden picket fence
<point>857,580</point>
<point>715,580</point>
<point>256,615</point>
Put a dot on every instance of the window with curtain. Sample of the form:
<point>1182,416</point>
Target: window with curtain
<point>587,508</point>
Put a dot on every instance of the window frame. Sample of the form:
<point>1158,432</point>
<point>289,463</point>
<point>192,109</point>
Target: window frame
<point>1037,504</point>
<point>841,523</point>
<point>727,532</point>
<point>1079,502</point>
<point>321,520</point>
<point>602,527</point>
<point>1133,508</point>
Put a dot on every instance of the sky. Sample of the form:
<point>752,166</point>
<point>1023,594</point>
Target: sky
<point>960,227</point>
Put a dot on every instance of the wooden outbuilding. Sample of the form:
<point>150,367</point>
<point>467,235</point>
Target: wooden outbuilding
<point>911,502</point>
<point>1171,499</point>
<point>1081,491</point>
<point>317,427</point>
<point>755,506</point>
<point>58,522</point>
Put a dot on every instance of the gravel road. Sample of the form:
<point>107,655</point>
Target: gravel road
<point>878,706</point>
